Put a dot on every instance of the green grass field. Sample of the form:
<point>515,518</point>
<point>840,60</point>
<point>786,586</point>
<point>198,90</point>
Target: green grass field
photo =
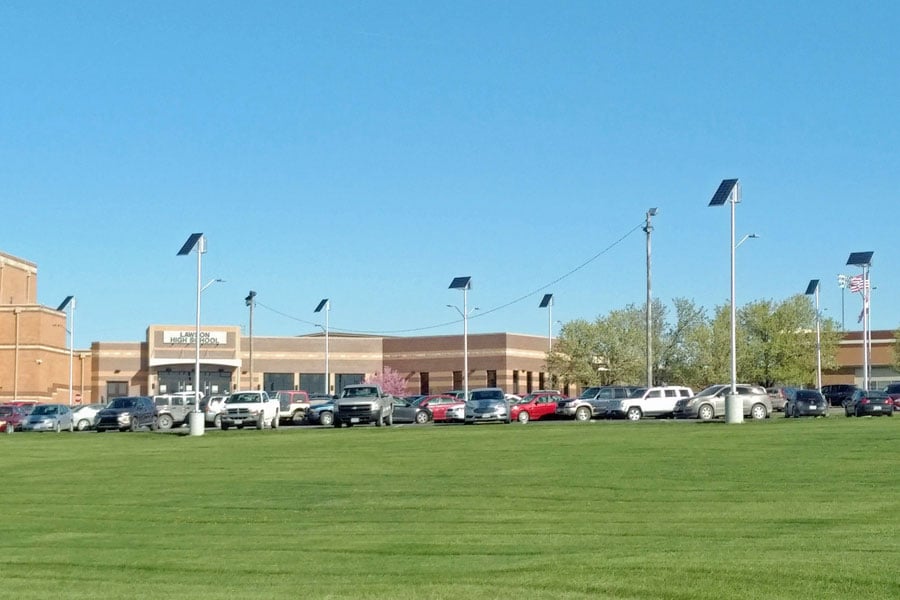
<point>779,509</point>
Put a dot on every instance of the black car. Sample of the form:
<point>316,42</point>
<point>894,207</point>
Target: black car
<point>407,412</point>
<point>837,394</point>
<point>127,412</point>
<point>806,403</point>
<point>870,402</point>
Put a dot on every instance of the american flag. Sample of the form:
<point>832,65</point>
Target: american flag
<point>857,283</point>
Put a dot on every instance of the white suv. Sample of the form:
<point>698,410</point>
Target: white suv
<point>648,402</point>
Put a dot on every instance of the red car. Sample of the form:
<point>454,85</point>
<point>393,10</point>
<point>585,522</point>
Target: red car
<point>535,406</point>
<point>13,414</point>
<point>439,404</point>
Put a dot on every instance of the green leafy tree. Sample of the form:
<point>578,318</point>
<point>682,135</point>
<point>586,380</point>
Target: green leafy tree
<point>574,356</point>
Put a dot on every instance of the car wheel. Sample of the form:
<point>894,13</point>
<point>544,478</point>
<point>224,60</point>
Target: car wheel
<point>326,418</point>
<point>634,413</point>
<point>390,420</point>
<point>165,422</point>
<point>57,428</point>
<point>260,421</point>
<point>583,413</point>
<point>100,430</point>
<point>298,417</point>
<point>275,422</point>
<point>890,413</point>
<point>524,417</point>
<point>224,426</point>
<point>71,426</point>
<point>706,413</point>
<point>83,424</point>
<point>337,424</point>
<point>379,420</point>
<point>758,412</point>
<point>241,426</point>
<point>217,421</point>
<point>421,417</point>
<point>857,413</point>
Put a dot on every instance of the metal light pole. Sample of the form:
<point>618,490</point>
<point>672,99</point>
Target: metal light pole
<point>70,302</point>
<point>813,288</point>
<point>464,284</point>
<point>864,260</point>
<point>730,191</point>
<point>547,302</point>
<point>325,304</point>
<point>842,283</point>
<point>648,228</point>
<point>196,241</point>
<point>250,301</point>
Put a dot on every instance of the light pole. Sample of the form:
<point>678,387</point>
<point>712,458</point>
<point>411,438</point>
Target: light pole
<point>813,289</point>
<point>842,283</point>
<point>648,228</point>
<point>250,301</point>
<point>464,284</point>
<point>70,302</point>
<point>325,304</point>
<point>730,191</point>
<point>196,241</point>
<point>547,302</point>
<point>864,260</point>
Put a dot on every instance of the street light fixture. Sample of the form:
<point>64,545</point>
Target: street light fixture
<point>547,302</point>
<point>464,284</point>
<point>250,301</point>
<point>70,302</point>
<point>325,304</point>
<point>864,260</point>
<point>843,280</point>
<point>813,289</point>
<point>648,228</point>
<point>197,242</point>
<point>730,191</point>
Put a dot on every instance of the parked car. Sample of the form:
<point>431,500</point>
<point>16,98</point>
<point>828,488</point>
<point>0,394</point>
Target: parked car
<point>293,405</point>
<point>14,414</point>
<point>406,412</point>
<point>538,405</point>
<point>870,402</point>
<point>592,402</point>
<point>49,417</point>
<point>779,396</point>
<point>321,414</point>
<point>461,394</point>
<point>456,413</point>
<point>127,412</point>
<point>172,410</point>
<point>893,390</point>
<point>250,407</point>
<point>486,405</point>
<point>806,403</point>
<point>837,394</point>
<point>658,401</point>
<point>440,404</point>
<point>85,415</point>
<point>709,403</point>
<point>212,408</point>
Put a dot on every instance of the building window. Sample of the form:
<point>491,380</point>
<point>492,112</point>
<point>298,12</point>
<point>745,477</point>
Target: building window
<point>515,389</point>
<point>423,384</point>
<point>273,382</point>
<point>457,380</point>
<point>492,378</point>
<point>343,379</point>
<point>528,380</point>
<point>541,381</point>
<point>313,383</point>
<point>116,388</point>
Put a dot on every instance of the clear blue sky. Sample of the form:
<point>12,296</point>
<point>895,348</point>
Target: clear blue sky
<point>369,152</point>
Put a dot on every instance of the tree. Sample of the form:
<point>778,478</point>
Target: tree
<point>573,359</point>
<point>390,380</point>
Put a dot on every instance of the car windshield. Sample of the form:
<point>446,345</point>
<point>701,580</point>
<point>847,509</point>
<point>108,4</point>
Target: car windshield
<point>872,395</point>
<point>589,393</point>
<point>6,411</point>
<point>121,403</point>
<point>487,395</point>
<point>244,399</point>
<point>361,391</point>
<point>44,410</point>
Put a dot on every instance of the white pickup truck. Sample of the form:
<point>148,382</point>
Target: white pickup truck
<point>250,408</point>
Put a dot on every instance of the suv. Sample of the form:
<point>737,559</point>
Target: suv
<point>212,408</point>
<point>293,405</point>
<point>710,402</point>
<point>127,412</point>
<point>838,393</point>
<point>172,410</point>
<point>648,402</point>
<point>592,402</point>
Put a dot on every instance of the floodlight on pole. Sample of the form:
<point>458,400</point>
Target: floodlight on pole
<point>813,289</point>
<point>842,283</point>
<point>250,301</point>
<point>648,229</point>
<point>197,242</point>
<point>325,304</point>
<point>464,284</point>
<point>70,302</point>
<point>547,302</point>
<point>864,260</point>
<point>730,191</point>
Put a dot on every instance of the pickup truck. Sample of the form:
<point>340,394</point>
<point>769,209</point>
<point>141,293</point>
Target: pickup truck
<point>250,408</point>
<point>293,405</point>
<point>363,403</point>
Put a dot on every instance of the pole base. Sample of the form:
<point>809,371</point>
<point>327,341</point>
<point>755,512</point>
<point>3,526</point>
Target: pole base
<point>197,422</point>
<point>734,409</point>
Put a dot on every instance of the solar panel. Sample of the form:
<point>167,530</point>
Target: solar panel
<point>321,305</point>
<point>189,244</point>
<point>65,303</point>
<point>724,191</point>
<point>860,259</point>
<point>812,287</point>
<point>547,301</point>
<point>461,283</point>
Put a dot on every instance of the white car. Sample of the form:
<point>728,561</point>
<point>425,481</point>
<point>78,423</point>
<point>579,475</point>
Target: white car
<point>250,408</point>
<point>85,415</point>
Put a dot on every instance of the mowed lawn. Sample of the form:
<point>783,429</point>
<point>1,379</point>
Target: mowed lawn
<point>780,509</point>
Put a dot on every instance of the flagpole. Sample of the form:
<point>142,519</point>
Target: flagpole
<point>865,294</point>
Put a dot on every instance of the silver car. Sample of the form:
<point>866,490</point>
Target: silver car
<point>49,417</point>
<point>487,405</point>
<point>710,403</point>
